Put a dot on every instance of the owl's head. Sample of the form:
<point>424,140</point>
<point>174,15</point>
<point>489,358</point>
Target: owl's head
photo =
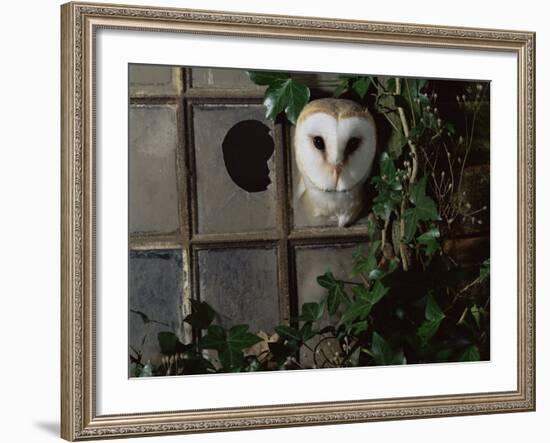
<point>335,144</point>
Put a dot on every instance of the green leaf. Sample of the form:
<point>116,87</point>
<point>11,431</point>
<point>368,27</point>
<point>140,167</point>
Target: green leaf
<point>365,264</point>
<point>383,353</point>
<point>411,224</point>
<point>359,327</point>
<point>336,294</point>
<point>342,87</point>
<point>430,240</point>
<point>434,316</point>
<point>428,329</point>
<point>307,332</point>
<point>425,206</point>
<point>265,78</point>
<point>312,311</point>
<point>433,312</point>
<point>364,301</point>
<point>361,85</point>
<point>286,95</point>
<point>288,332</point>
<point>476,313</point>
<point>484,270</point>
<point>214,339</point>
<point>230,344</point>
<point>202,315</point>
<point>170,344</point>
<point>238,337</point>
<point>471,353</point>
<point>327,280</point>
<point>424,209</point>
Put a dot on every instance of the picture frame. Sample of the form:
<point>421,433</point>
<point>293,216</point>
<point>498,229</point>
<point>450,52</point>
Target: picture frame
<point>82,237</point>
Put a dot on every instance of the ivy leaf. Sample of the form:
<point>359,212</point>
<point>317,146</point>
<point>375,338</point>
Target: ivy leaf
<point>342,87</point>
<point>286,95</point>
<point>471,353</point>
<point>265,78</point>
<point>288,332</point>
<point>430,240</point>
<point>484,270</point>
<point>433,312</point>
<point>424,205</point>
<point>307,332</point>
<point>411,224</point>
<point>383,353</point>
<point>361,85</point>
<point>170,344</point>
<point>366,264</point>
<point>424,209</point>
<point>214,339</point>
<point>312,311</point>
<point>327,280</point>
<point>476,313</point>
<point>230,344</point>
<point>336,294</point>
<point>202,315</point>
<point>364,301</point>
<point>434,316</point>
<point>239,337</point>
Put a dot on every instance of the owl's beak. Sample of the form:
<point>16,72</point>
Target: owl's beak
<point>335,171</point>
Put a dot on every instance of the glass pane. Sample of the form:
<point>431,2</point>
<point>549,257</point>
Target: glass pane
<point>235,169</point>
<point>151,80</point>
<point>155,300</point>
<point>241,285</point>
<point>311,262</point>
<point>216,78</point>
<point>153,182</point>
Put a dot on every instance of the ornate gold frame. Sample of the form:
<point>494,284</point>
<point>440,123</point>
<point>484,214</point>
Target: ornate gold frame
<point>79,420</point>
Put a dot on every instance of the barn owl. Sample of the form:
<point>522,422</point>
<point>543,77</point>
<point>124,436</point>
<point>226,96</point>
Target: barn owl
<point>335,145</point>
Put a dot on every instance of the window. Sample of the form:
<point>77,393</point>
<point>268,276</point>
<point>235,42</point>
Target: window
<point>211,214</point>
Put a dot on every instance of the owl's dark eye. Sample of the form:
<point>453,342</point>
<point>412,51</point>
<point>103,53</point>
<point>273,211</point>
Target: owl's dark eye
<point>352,145</point>
<point>319,143</point>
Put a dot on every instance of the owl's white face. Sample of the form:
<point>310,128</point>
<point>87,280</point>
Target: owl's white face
<point>335,155</point>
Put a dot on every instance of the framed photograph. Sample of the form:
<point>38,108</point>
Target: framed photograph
<point>280,221</point>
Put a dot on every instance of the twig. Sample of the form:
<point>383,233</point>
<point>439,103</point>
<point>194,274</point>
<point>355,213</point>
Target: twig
<point>406,132</point>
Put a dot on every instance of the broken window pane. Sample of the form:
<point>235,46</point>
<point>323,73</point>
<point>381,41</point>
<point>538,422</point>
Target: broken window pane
<point>241,285</point>
<point>155,300</point>
<point>235,169</point>
<point>152,169</point>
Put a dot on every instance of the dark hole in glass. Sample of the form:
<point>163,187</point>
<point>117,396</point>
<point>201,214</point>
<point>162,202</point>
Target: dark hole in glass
<point>247,147</point>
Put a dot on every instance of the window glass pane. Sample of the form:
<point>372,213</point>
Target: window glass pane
<point>216,78</point>
<point>155,300</point>
<point>153,183</point>
<point>241,285</point>
<point>152,80</point>
<point>311,262</point>
<point>235,169</point>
